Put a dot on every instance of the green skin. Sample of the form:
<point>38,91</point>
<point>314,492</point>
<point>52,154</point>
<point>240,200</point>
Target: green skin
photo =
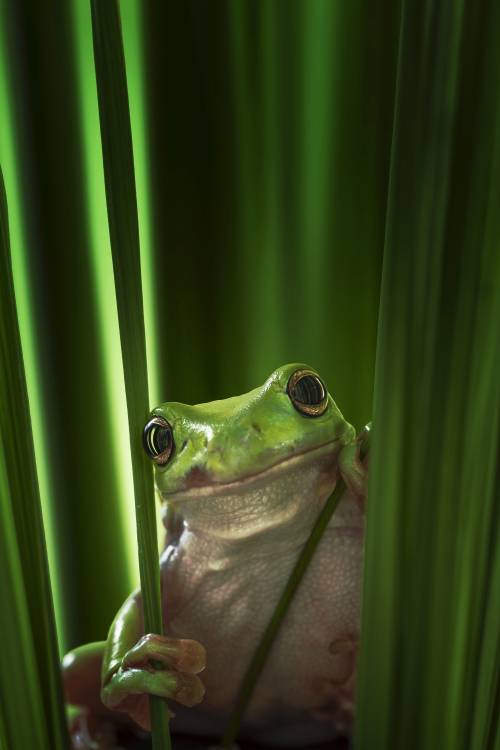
<point>216,445</point>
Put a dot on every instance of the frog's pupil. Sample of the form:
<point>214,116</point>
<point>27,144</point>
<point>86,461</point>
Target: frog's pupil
<point>309,390</point>
<point>160,439</point>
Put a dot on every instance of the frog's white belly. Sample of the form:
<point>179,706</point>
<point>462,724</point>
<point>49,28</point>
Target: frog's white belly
<point>305,693</point>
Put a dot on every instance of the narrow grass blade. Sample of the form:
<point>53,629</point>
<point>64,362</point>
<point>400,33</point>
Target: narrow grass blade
<point>124,235</point>
<point>27,607</point>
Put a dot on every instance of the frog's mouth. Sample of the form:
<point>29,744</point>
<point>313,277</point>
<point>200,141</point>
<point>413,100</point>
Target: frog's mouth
<point>200,483</point>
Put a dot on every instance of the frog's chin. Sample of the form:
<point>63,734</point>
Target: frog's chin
<point>236,486</point>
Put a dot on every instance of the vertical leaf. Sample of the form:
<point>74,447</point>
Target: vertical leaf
<point>21,710</point>
<point>124,234</point>
<point>56,296</point>
<point>431,642</point>
<point>31,681</point>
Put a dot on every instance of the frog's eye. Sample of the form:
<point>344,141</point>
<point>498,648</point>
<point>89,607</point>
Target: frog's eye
<point>308,393</point>
<point>158,440</point>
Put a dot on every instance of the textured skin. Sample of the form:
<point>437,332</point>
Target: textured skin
<point>222,578</point>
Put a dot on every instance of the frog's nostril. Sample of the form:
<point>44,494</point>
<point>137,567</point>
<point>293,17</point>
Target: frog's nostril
<point>256,428</point>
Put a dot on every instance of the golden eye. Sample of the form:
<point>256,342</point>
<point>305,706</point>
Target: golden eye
<point>157,440</point>
<point>308,393</point>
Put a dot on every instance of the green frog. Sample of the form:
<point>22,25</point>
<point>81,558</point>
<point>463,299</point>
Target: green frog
<point>242,481</point>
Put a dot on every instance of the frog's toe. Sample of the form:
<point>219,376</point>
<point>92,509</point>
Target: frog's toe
<point>189,690</point>
<point>182,654</point>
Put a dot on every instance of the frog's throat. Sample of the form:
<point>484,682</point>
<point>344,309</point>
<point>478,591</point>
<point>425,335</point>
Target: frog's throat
<point>244,483</point>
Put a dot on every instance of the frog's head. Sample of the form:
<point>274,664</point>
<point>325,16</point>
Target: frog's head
<point>224,447</point>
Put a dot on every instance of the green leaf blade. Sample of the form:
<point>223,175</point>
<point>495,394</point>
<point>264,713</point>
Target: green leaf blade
<point>124,234</point>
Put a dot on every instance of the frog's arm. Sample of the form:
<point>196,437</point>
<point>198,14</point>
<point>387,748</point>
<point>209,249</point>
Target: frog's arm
<point>125,631</point>
<point>353,463</point>
<point>136,665</point>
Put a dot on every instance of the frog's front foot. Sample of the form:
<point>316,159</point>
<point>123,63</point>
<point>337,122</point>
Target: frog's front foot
<point>156,665</point>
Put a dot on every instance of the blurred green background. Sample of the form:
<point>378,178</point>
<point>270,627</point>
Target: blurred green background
<point>261,135</point>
